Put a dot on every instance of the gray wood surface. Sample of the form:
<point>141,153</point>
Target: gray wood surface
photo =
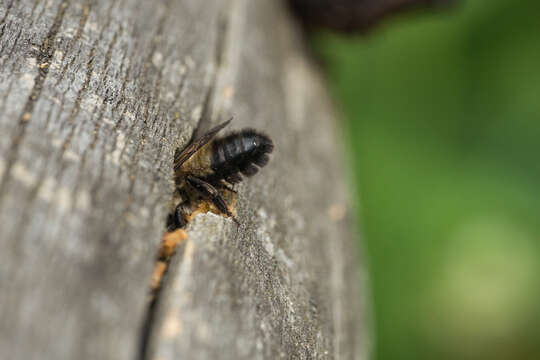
<point>94,98</point>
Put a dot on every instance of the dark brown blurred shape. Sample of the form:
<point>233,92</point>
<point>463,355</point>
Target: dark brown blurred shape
<point>355,15</point>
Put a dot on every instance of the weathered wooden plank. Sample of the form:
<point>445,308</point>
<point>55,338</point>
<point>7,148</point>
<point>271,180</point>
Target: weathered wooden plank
<point>88,89</point>
<point>284,284</point>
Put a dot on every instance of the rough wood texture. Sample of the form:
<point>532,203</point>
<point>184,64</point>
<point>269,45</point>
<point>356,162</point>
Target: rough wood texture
<point>89,90</point>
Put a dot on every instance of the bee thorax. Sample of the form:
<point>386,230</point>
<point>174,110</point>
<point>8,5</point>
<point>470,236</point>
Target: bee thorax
<point>199,164</point>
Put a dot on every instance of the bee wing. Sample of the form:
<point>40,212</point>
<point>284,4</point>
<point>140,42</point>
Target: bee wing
<point>192,148</point>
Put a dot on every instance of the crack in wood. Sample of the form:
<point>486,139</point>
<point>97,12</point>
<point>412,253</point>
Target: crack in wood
<point>99,119</point>
<point>2,29</point>
<point>9,55</point>
<point>43,62</point>
<point>170,247</point>
<point>151,101</point>
<point>75,40</point>
<point>2,22</point>
<point>76,106</point>
<point>89,69</point>
<point>65,69</point>
<point>122,96</point>
<point>203,122</point>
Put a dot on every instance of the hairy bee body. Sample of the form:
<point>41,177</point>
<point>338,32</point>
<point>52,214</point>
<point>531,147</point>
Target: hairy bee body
<point>226,158</point>
<point>209,164</point>
<point>243,152</point>
<point>198,164</point>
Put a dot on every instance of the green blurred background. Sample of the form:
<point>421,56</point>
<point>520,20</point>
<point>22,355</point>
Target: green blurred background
<point>442,112</point>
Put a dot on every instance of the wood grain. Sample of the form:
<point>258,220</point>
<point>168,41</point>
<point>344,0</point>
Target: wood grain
<point>88,91</point>
<point>94,98</point>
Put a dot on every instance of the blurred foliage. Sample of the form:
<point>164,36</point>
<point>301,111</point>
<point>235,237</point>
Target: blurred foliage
<point>443,116</point>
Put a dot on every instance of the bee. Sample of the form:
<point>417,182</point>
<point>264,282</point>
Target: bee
<point>208,166</point>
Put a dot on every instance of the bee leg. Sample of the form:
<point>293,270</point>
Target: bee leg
<point>226,186</point>
<point>210,192</point>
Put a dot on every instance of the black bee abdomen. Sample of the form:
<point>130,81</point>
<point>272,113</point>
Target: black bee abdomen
<point>243,152</point>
